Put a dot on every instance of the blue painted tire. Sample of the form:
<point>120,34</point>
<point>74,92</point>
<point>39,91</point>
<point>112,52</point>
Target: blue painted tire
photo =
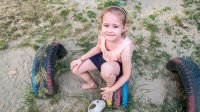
<point>120,97</point>
<point>189,72</point>
<point>43,69</point>
<point>124,95</point>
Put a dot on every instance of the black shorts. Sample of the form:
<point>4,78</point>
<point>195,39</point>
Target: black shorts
<point>98,61</point>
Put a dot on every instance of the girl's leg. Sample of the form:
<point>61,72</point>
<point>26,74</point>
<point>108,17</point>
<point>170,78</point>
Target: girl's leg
<point>83,73</point>
<point>109,72</point>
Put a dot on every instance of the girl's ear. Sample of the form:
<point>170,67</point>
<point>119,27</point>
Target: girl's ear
<point>125,27</point>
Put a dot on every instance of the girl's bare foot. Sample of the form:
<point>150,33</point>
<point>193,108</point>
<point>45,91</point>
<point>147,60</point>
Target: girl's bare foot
<point>89,86</point>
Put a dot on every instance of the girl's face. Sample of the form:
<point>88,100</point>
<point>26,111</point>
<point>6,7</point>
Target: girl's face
<point>112,26</point>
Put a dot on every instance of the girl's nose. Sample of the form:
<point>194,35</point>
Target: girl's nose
<point>109,29</point>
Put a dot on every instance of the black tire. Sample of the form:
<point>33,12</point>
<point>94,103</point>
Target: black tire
<point>189,73</point>
<point>44,62</point>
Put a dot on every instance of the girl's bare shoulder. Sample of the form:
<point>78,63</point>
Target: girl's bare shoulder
<point>128,51</point>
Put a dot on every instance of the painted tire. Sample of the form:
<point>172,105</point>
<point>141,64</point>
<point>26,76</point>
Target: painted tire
<point>43,69</point>
<point>189,72</point>
<point>120,97</point>
<point>124,95</point>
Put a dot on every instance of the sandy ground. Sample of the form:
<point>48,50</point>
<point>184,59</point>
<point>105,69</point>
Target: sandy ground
<point>15,73</point>
<point>16,64</point>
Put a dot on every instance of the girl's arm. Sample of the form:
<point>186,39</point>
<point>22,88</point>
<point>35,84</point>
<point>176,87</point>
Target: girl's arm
<point>126,57</point>
<point>95,50</point>
<point>90,53</point>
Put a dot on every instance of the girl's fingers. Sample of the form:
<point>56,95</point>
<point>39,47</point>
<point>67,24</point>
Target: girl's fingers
<point>107,96</point>
<point>104,92</point>
<point>110,96</point>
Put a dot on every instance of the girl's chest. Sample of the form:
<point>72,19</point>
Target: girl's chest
<point>111,46</point>
<point>113,49</point>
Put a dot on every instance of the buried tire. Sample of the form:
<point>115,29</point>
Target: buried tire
<point>189,73</point>
<point>43,69</point>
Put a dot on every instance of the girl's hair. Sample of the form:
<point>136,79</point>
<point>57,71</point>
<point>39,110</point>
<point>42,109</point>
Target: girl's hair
<point>119,11</point>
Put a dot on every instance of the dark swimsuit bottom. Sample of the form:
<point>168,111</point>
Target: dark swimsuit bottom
<point>98,61</point>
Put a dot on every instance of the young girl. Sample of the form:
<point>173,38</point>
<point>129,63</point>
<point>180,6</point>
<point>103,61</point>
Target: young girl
<point>111,55</point>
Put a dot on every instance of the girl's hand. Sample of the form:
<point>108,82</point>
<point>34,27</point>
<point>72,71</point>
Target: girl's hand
<point>107,93</point>
<point>76,62</point>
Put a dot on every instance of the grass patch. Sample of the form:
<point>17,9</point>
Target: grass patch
<point>91,14</point>
<point>138,7</point>
<point>86,26</point>
<point>3,43</point>
<point>79,17</point>
<point>109,3</point>
<point>186,42</point>
<point>192,10</point>
<point>168,29</point>
<point>166,9</point>
<point>154,42</point>
<point>177,21</point>
<point>150,24</point>
<point>139,40</point>
<point>149,60</point>
<point>28,100</point>
<point>152,17</point>
<point>174,102</point>
<point>152,27</point>
<point>198,26</point>
<point>64,14</point>
<point>47,16</point>
<point>24,43</point>
<point>196,54</point>
<point>85,42</point>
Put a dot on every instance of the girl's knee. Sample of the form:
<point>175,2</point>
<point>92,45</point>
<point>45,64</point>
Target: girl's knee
<point>75,71</point>
<point>107,70</point>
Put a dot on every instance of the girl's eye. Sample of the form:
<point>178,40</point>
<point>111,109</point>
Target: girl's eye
<point>115,26</point>
<point>105,25</point>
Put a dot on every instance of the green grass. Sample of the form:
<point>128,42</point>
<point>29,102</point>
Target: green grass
<point>28,100</point>
<point>104,4</point>
<point>3,43</point>
<point>198,26</point>
<point>150,24</point>
<point>79,17</point>
<point>186,42</point>
<point>139,40</point>
<point>24,43</point>
<point>138,6</point>
<point>168,29</point>
<point>166,9</point>
<point>174,102</point>
<point>154,42</point>
<point>178,21</point>
<point>196,54</point>
<point>64,13</point>
<point>85,42</point>
<point>91,14</point>
<point>192,8</point>
<point>148,59</point>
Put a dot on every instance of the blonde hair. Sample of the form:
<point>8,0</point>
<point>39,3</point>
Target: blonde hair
<point>120,11</point>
